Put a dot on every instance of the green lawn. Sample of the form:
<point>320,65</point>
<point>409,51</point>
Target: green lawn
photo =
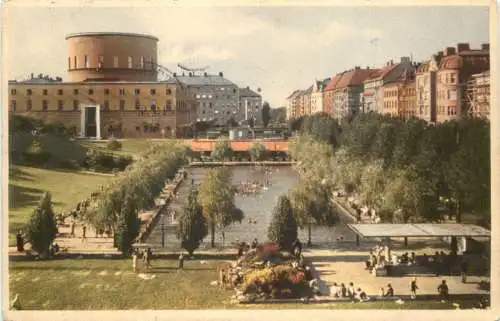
<point>26,185</point>
<point>78,284</point>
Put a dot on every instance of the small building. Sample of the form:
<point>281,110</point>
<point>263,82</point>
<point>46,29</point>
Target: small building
<point>239,133</point>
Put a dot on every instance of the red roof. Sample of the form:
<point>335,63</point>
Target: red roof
<point>333,83</point>
<point>355,77</point>
<point>453,62</point>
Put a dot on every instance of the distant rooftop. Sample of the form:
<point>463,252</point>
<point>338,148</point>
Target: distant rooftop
<point>247,92</point>
<point>208,80</point>
<point>98,34</point>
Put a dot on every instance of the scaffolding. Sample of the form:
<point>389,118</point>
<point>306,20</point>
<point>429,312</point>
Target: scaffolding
<point>478,95</point>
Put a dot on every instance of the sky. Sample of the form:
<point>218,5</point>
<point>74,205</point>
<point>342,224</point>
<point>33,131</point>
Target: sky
<point>277,49</point>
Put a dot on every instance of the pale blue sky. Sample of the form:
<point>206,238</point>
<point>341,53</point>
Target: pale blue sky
<point>278,49</point>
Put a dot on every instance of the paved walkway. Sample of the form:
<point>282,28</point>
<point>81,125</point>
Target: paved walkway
<point>347,265</point>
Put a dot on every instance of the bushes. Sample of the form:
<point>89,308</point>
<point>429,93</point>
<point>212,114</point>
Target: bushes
<point>104,162</point>
<point>114,145</point>
<point>35,155</point>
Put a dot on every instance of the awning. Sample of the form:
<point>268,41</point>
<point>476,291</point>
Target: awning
<point>419,230</point>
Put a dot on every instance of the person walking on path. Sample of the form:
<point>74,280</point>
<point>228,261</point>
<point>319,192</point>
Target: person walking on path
<point>413,289</point>
<point>72,228</point>
<point>84,232</point>
<point>181,261</point>
<point>443,291</point>
<point>134,261</point>
<point>464,267</point>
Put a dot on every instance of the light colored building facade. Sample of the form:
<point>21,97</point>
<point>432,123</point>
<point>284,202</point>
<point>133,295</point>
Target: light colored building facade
<point>105,97</point>
<point>250,105</point>
<point>348,90</point>
<point>306,102</point>
<point>479,95</point>
<point>291,105</point>
<point>317,96</point>
<point>373,94</point>
<point>216,98</point>
<point>329,94</point>
<point>455,70</point>
<point>425,80</point>
<point>400,96</point>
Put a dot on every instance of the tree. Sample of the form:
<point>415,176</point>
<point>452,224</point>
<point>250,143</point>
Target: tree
<point>278,115</point>
<point>322,127</point>
<point>41,229</point>
<point>222,150</point>
<point>283,227</point>
<point>192,227</point>
<point>231,122</point>
<point>373,181</point>
<point>128,226</point>
<point>266,114</point>
<point>216,197</point>
<point>258,152</point>
<point>312,207</point>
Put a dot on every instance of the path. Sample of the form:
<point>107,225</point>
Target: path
<point>347,265</point>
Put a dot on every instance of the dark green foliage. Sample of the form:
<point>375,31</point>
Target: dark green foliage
<point>295,124</point>
<point>104,162</point>
<point>222,150</point>
<point>114,144</point>
<point>266,114</point>
<point>192,227</point>
<point>41,229</point>
<point>128,225</point>
<point>36,155</point>
<point>283,227</point>
<point>322,127</point>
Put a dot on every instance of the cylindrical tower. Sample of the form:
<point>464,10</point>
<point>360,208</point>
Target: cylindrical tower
<point>111,56</point>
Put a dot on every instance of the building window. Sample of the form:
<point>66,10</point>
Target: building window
<point>91,91</point>
<point>45,92</point>
<point>168,91</point>
<point>13,92</point>
<point>130,61</point>
<point>75,105</point>
<point>86,61</point>
<point>142,62</point>
<point>60,92</point>
<point>122,105</point>
<point>45,105</point>
<point>153,92</point>
<point>137,104</point>
<point>452,78</point>
<point>122,91</point>
<point>60,105</point>
<point>29,105</point>
<point>75,62</point>
<point>137,91</point>
<point>13,105</point>
<point>69,62</point>
<point>75,91</point>
<point>106,91</point>
<point>106,105</point>
<point>152,63</point>
<point>115,61</point>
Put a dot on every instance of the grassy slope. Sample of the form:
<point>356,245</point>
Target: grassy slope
<point>93,284</point>
<point>129,146</point>
<point>26,185</point>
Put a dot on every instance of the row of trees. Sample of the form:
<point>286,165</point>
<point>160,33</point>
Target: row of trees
<point>119,204</point>
<point>407,170</point>
<point>209,208</point>
<point>222,151</point>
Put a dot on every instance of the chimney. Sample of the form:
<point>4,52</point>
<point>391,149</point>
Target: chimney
<point>221,74</point>
<point>190,74</point>
<point>32,75</point>
<point>205,74</point>
<point>440,54</point>
<point>392,62</point>
<point>462,47</point>
<point>175,74</point>
<point>248,87</point>
<point>485,46</point>
<point>356,68</point>
<point>448,51</point>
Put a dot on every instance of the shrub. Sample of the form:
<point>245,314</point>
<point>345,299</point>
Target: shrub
<point>114,144</point>
<point>121,162</point>
<point>41,229</point>
<point>36,155</point>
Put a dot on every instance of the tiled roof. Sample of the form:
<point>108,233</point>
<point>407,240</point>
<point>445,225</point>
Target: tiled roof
<point>247,92</point>
<point>355,77</point>
<point>333,83</point>
<point>209,80</point>
<point>451,62</point>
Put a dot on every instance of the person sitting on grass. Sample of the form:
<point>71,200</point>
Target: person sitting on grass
<point>390,291</point>
<point>343,290</point>
<point>351,292</point>
<point>361,295</point>
<point>335,290</point>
